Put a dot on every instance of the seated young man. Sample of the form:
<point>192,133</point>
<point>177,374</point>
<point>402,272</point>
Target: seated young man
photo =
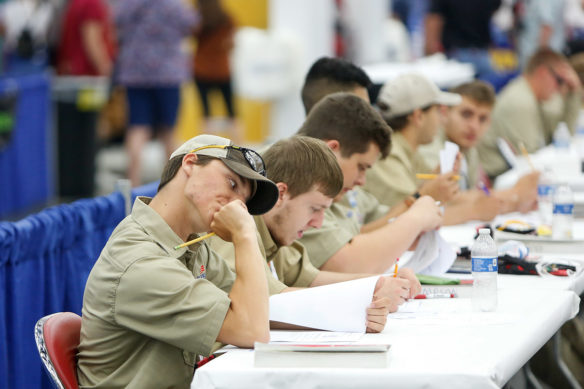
<point>529,108</point>
<point>330,75</point>
<point>410,106</point>
<point>149,310</point>
<point>466,124</point>
<point>308,177</point>
<point>358,136</point>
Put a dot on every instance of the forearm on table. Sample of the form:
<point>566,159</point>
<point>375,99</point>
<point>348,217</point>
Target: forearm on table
<point>394,212</point>
<point>330,277</point>
<point>376,251</point>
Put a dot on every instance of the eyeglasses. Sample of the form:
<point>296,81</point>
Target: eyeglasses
<point>556,76</point>
<point>255,161</point>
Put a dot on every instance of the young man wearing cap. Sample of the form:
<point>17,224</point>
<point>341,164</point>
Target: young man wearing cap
<point>410,105</point>
<point>465,124</point>
<point>358,137</point>
<point>308,177</point>
<point>150,309</point>
<point>530,107</point>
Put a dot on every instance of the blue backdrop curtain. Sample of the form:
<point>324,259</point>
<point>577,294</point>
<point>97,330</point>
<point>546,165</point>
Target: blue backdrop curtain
<point>26,159</point>
<point>45,260</point>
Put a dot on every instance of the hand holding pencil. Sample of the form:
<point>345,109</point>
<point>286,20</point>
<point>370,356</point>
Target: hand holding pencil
<point>442,187</point>
<point>229,222</point>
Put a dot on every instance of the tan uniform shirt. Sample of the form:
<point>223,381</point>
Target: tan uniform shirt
<point>518,117</point>
<point>393,179</point>
<point>364,205</point>
<point>470,166</point>
<point>149,310</point>
<point>342,221</point>
<point>291,263</point>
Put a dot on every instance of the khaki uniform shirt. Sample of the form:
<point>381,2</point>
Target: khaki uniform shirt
<point>149,310</point>
<point>364,205</point>
<point>342,221</point>
<point>393,179</point>
<point>291,264</point>
<point>518,117</point>
<point>469,171</point>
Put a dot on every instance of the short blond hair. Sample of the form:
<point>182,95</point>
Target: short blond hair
<point>303,163</point>
<point>544,56</point>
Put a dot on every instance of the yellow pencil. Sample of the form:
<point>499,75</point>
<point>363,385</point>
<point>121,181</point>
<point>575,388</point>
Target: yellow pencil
<point>395,268</point>
<point>190,242</point>
<point>526,155</point>
<point>423,176</point>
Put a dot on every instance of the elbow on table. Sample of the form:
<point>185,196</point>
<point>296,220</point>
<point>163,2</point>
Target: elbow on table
<point>254,334</point>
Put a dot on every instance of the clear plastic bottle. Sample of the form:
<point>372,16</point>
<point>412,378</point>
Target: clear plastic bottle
<point>563,216</point>
<point>484,272</point>
<point>562,136</point>
<point>545,192</point>
<point>579,139</point>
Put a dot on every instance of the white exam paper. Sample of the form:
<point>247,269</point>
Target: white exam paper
<point>448,156</point>
<point>335,307</point>
<point>445,259</point>
<point>433,255</point>
<point>313,337</point>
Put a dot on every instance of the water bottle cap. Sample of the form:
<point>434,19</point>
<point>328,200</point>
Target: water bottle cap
<point>485,231</point>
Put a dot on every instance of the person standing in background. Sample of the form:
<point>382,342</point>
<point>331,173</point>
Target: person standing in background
<point>25,25</point>
<point>542,25</point>
<point>460,28</point>
<point>211,65</point>
<point>152,66</point>
<point>87,46</point>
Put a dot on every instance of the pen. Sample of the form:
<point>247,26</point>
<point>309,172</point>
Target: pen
<point>484,188</point>
<point>190,242</point>
<point>435,296</point>
<point>395,268</point>
<point>560,272</point>
<point>423,176</point>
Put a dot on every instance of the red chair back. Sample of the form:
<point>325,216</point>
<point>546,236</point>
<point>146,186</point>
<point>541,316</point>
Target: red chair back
<point>57,339</point>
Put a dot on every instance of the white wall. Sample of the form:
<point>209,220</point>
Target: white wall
<point>311,22</point>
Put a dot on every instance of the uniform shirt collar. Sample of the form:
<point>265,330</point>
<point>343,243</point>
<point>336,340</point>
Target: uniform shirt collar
<point>270,246</point>
<point>158,229</point>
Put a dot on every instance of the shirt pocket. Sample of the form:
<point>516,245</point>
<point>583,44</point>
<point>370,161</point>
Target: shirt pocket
<point>189,358</point>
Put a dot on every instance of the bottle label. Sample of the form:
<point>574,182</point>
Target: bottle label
<point>564,209</point>
<point>544,190</point>
<point>484,264</point>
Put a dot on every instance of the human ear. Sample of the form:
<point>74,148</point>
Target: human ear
<point>189,162</point>
<point>333,144</point>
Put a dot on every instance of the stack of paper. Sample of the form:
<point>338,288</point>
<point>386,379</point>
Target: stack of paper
<point>308,355</point>
<point>335,307</point>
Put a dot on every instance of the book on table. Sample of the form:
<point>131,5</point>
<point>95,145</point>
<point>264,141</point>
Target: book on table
<point>309,355</point>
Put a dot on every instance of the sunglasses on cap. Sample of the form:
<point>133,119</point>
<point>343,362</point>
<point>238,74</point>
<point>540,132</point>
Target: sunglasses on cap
<point>255,161</point>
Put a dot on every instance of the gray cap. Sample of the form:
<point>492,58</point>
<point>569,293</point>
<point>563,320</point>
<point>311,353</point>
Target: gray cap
<point>264,192</point>
<point>405,93</point>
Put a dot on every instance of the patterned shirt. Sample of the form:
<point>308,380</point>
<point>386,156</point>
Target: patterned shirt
<point>151,33</point>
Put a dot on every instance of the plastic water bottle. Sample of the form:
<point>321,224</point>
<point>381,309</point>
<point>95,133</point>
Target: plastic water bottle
<point>579,139</point>
<point>563,216</point>
<point>545,192</point>
<point>562,137</point>
<point>484,272</point>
